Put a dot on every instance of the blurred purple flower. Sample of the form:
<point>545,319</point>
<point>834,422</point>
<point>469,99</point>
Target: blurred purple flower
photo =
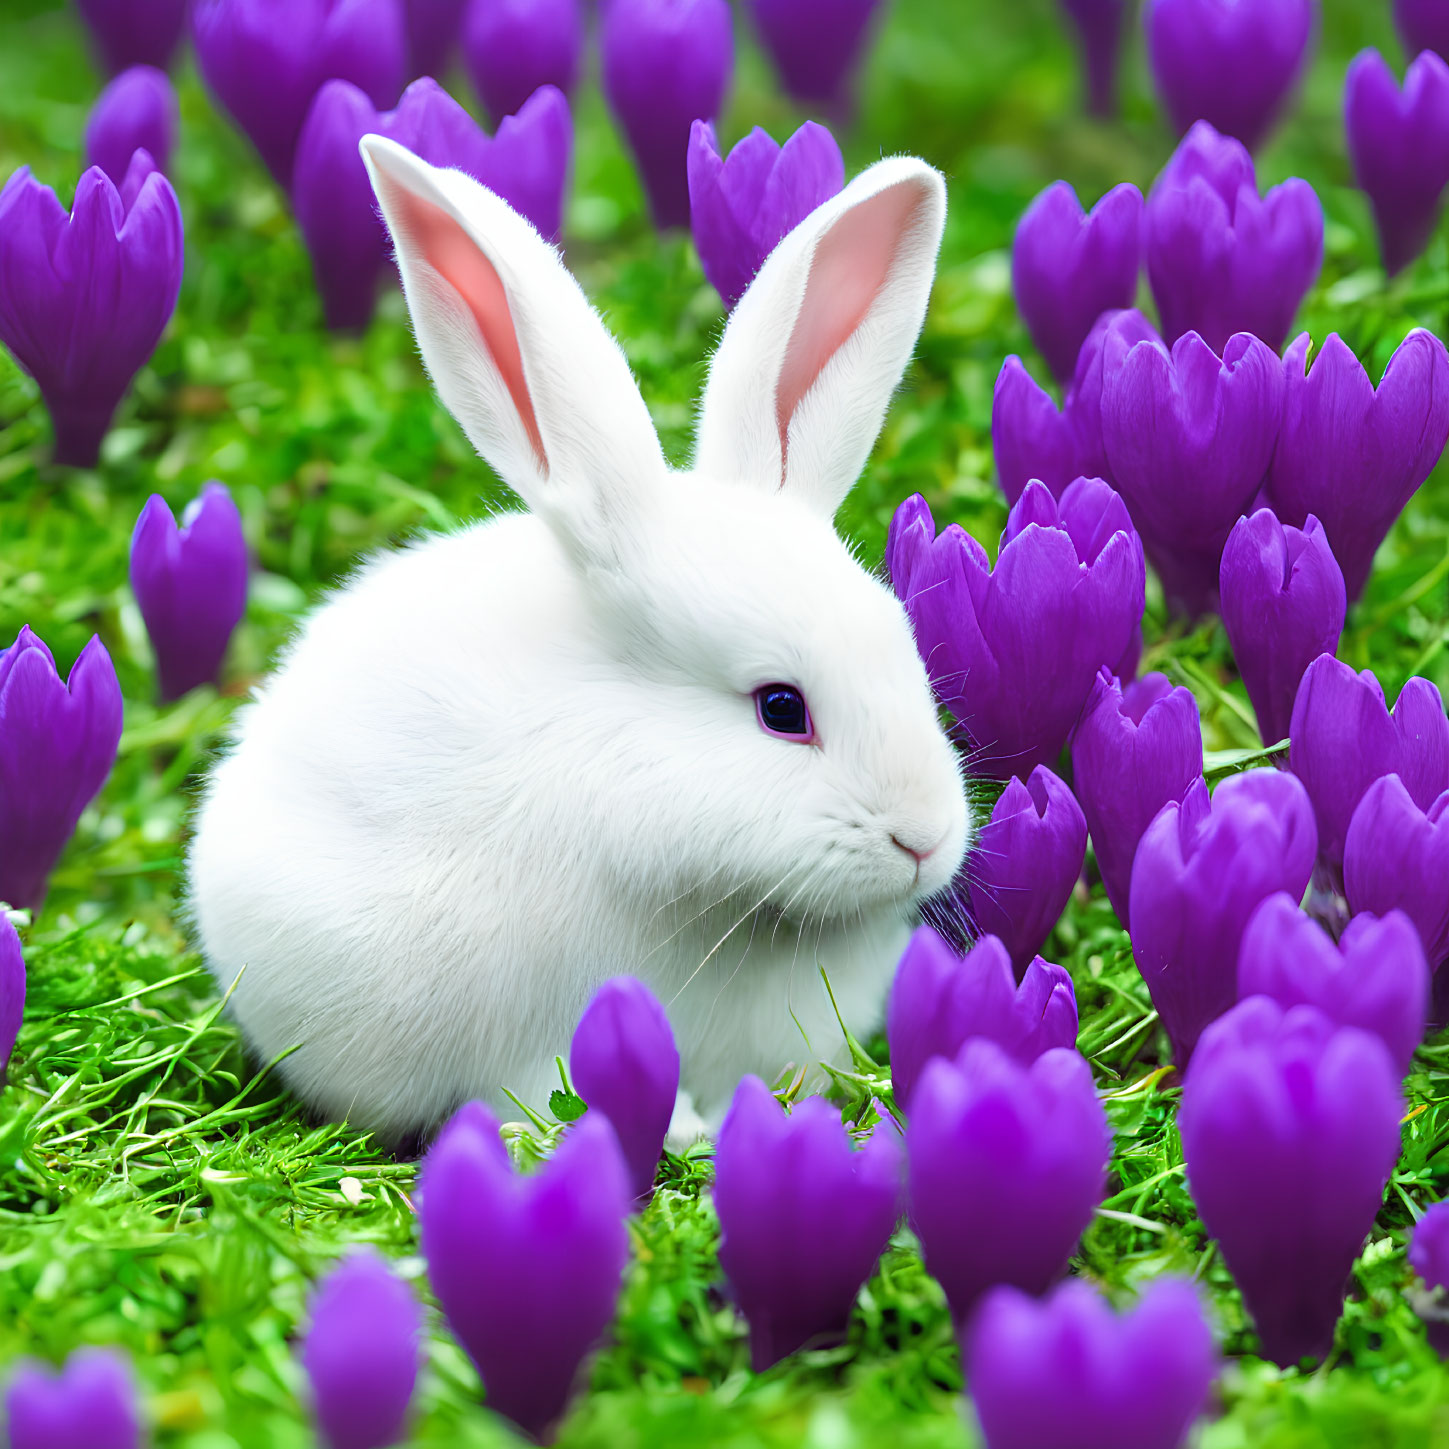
<point>362,1353</point>
<point>803,1216</point>
<point>742,205</point>
<point>1065,1371</point>
<point>135,112</point>
<point>1013,651</point>
<point>1220,258</point>
<point>1068,267</point>
<point>90,1404</point>
<point>1398,143</point>
<point>1290,1129</point>
<point>57,745</point>
<point>1283,605</point>
<point>512,47</point>
<point>432,35</point>
<point>940,1000</point>
<point>1203,867</point>
<point>817,47</point>
<point>625,1065</point>
<point>1344,738</point>
<point>1226,62</point>
<point>1354,457</point>
<point>134,32</point>
<point>527,1269</point>
<point>1100,25</point>
<point>666,64</point>
<point>12,991</point>
<point>1189,436</point>
<point>265,61</point>
<point>191,585</point>
<point>1429,1258</point>
<point>1422,25</point>
<point>1007,1166</point>
<point>85,298</point>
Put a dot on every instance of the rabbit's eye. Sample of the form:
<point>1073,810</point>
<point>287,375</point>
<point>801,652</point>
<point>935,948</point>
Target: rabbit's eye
<point>782,711</point>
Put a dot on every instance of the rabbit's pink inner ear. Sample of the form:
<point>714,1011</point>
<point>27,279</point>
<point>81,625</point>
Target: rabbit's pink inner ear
<point>460,262</point>
<point>851,265</point>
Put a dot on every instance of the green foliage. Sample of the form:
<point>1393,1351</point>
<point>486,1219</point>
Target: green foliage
<point>159,1191</point>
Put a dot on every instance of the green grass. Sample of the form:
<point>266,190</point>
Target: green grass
<point>157,1192</point>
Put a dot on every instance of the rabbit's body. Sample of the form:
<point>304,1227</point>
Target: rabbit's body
<point>502,765</point>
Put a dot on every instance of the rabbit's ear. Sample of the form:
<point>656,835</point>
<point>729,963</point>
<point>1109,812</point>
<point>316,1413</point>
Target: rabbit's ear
<point>800,383</point>
<point>516,352</point>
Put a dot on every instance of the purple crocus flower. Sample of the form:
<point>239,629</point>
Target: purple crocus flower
<point>432,34</point>
<point>1220,258</point>
<point>817,47</point>
<point>1065,1372</point>
<point>85,298</point>
<point>1429,1258</point>
<point>1013,651</point>
<point>191,585</point>
<point>1227,62</point>
<point>803,1216</point>
<point>1021,871</point>
<point>57,745</point>
<point>265,60</point>
<point>1396,857</point>
<point>1290,1129</point>
<point>1099,25</point>
<point>527,1268</point>
<point>135,112</point>
<point>134,32</point>
<point>1007,1165</point>
<point>742,205</point>
<point>1344,738</point>
<point>1068,267</point>
<point>12,991</point>
<point>512,47</point>
<point>1203,867</point>
<point>667,64</point>
<point>940,1000</point>
<point>1189,436</point>
<point>625,1065</point>
<point>362,1353</point>
<point>1351,456</point>
<point>1134,750</point>
<point>1283,604</point>
<point>1398,142</point>
<point>1422,25</point>
<point>90,1404</point>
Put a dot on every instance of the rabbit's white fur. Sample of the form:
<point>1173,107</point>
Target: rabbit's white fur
<point>501,765</point>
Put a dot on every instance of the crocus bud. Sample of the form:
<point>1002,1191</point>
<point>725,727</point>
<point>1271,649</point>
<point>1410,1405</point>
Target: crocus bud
<point>135,112</point>
<point>1429,1258</point>
<point>1189,436</point>
<point>134,32</point>
<point>1398,142</point>
<point>940,1000</point>
<point>1068,267</point>
<point>265,60</point>
<point>1013,651</point>
<point>625,1065</point>
<point>1422,25</point>
<point>89,1404</point>
<point>512,47</point>
<point>57,744</point>
<point>817,47</point>
<point>432,34</point>
<point>1220,258</point>
<point>667,64</point>
<point>1344,738</point>
<point>1203,867</point>
<point>1226,62</point>
<point>12,991</point>
<point>1354,457</point>
<point>527,1268</point>
<point>743,204</point>
<point>1396,857</point>
<point>85,298</point>
<point>803,1216</point>
<point>191,585</point>
<point>1066,1371</point>
<point>1290,1129</point>
<point>1007,1166</point>
<point>1283,604</point>
<point>1134,750</point>
<point>1020,873</point>
<point>1099,25</point>
<point>362,1353</point>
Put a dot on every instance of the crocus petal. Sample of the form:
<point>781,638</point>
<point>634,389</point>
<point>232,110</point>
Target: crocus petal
<point>512,47</point>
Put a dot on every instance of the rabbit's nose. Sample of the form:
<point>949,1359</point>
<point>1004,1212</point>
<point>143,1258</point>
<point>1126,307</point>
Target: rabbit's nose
<point>920,856</point>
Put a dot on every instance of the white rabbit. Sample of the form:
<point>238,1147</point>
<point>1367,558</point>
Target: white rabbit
<point>501,765</point>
